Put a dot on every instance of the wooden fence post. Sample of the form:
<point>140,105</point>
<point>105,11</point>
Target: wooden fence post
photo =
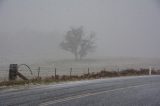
<point>55,73</point>
<point>70,72</point>
<point>13,69</point>
<point>39,71</point>
<point>88,71</point>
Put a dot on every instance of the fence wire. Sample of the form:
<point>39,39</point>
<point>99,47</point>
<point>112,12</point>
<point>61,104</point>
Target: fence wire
<point>77,69</point>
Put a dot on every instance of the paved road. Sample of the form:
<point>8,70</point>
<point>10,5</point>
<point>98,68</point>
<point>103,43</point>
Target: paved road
<point>124,91</point>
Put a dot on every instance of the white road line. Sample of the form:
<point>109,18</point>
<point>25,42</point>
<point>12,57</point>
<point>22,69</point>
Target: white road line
<point>86,95</point>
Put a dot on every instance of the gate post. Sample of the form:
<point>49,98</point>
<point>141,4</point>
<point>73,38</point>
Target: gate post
<point>13,69</point>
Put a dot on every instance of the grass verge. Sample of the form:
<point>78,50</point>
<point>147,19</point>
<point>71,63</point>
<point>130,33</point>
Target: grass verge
<point>93,75</point>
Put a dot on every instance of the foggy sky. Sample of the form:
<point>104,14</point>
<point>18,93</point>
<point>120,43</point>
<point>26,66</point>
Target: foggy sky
<point>33,29</point>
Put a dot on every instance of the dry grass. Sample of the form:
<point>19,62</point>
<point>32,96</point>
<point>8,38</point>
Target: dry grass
<point>101,74</point>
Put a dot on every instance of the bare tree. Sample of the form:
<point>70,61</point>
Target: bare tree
<point>78,43</point>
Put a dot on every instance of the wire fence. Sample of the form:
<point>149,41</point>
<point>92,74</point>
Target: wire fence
<point>51,70</point>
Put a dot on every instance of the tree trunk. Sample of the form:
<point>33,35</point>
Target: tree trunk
<point>76,56</point>
<point>80,57</point>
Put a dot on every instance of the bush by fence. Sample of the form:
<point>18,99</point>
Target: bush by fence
<point>76,72</point>
<point>89,75</point>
